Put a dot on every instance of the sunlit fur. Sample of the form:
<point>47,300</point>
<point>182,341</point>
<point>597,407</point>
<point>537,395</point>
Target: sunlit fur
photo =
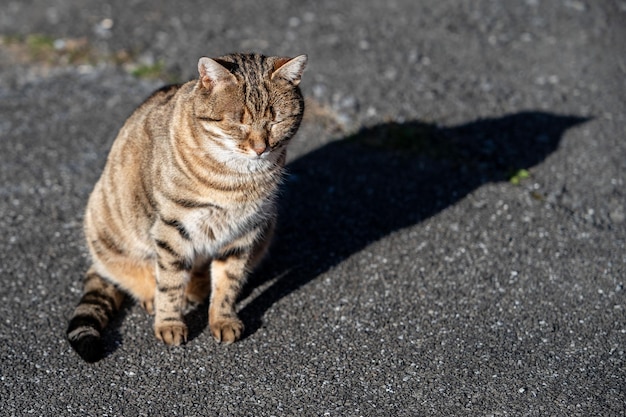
<point>185,206</point>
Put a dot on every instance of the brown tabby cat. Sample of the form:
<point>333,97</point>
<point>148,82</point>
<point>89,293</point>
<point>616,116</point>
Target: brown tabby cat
<point>186,206</point>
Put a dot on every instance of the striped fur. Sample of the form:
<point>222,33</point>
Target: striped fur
<point>185,206</point>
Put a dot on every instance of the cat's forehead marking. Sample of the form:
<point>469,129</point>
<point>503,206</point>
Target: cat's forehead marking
<point>253,72</point>
<point>256,98</point>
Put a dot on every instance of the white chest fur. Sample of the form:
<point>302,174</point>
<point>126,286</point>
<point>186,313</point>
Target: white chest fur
<point>211,229</point>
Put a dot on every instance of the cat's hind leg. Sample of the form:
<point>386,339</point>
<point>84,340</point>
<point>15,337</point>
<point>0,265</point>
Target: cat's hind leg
<point>199,286</point>
<point>136,278</point>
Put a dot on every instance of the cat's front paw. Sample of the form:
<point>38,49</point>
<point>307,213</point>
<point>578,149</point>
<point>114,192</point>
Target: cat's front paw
<point>226,329</point>
<point>171,333</point>
<point>148,305</point>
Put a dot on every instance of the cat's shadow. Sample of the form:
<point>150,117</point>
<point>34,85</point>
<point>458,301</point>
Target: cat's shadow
<point>355,191</point>
<point>351,192</point>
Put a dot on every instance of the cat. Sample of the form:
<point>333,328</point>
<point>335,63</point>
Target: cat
<point>186,204</point>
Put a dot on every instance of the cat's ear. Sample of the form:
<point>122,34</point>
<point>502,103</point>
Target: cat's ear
<point>213,73</point>
<point>289,69</point>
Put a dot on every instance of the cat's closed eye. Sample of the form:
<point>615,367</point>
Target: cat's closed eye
<point>276,124</point>
<point>210,119</point>
<point>283,120</point>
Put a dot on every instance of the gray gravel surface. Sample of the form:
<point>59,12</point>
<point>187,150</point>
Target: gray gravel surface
<point>411,275</point>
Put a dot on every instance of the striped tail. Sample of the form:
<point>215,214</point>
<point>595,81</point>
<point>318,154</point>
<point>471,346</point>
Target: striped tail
<point>100,301</point>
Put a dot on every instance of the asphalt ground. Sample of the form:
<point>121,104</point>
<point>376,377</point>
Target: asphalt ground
<point>452,230</point>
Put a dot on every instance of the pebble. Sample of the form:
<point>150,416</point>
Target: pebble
<point>617,215</point>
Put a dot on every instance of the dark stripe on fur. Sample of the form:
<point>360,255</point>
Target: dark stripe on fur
<point>84,320</point>
<point>192,203</point>
<point>96,298</point>
<point>235,252</point>
<point>167,248</point>
<point>142,202</point>
<point>182,265</point>
<point>99,310</point>
<point>197,170</point>
<point>179,227</point>
<point>168,288</point>
<point>200,174</point>
<point>170,319</point>
<point>231,276</point>
<point>109,243</point>
<point>147,192</point>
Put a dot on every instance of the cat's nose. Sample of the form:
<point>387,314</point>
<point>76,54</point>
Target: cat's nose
<point>259,147</point>
<point>257,141</point>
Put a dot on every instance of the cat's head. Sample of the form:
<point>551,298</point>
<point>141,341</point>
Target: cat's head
<point>248,105</point>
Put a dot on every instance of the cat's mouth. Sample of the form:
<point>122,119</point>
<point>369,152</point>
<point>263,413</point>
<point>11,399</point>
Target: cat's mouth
<point>256,155</point>
<point>259,157</point>
<point>261,153</point>
<point>253,157</point>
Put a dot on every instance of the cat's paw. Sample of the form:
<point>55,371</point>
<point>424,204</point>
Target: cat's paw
<point>226,329</point>
<point>148,305</point>
<point>171,333</point>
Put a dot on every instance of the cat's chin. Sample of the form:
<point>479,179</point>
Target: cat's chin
<point>254,157</point>
<point>270,155</point>
<point>251,163</point>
